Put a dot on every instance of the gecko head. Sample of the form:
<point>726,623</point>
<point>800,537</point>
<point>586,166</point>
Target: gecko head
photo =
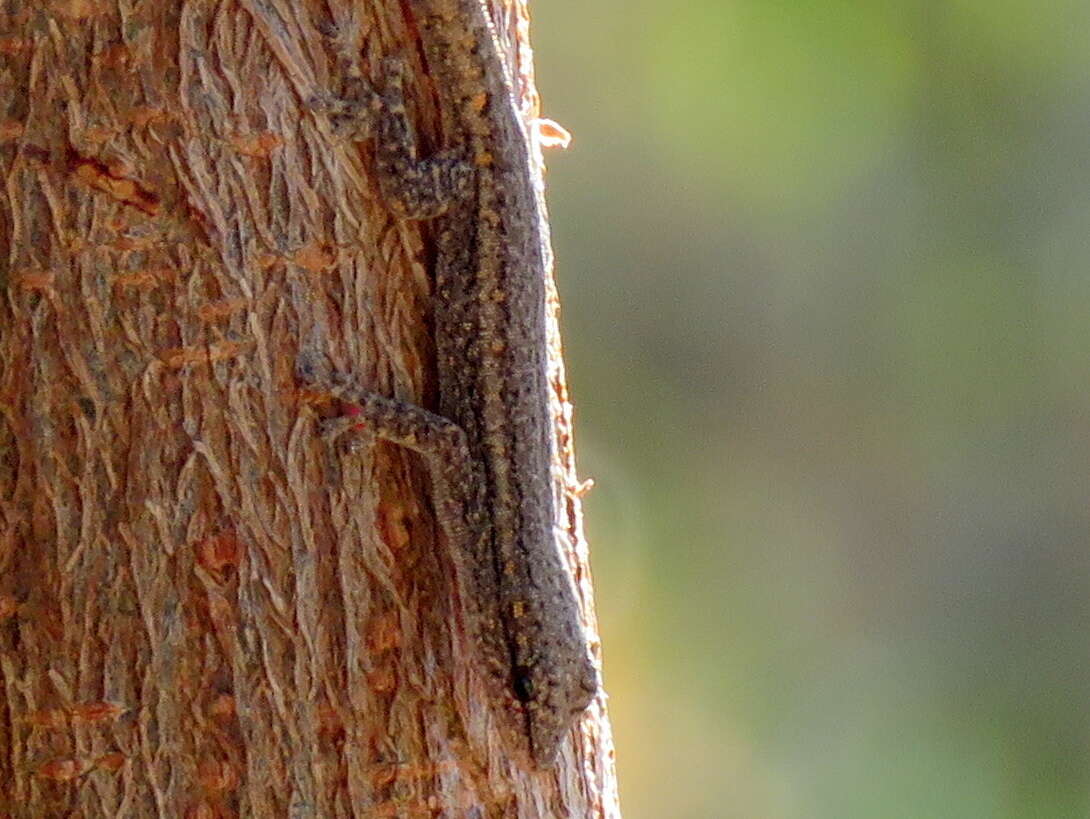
<point>553,699</point>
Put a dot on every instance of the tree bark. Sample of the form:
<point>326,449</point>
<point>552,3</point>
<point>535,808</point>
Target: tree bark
<point>206,608</point>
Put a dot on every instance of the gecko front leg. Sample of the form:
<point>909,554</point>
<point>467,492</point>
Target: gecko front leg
<point>441,442</point>
<point>457,496</point>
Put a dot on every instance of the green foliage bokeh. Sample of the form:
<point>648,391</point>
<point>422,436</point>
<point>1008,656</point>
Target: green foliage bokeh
<point>825,269</point>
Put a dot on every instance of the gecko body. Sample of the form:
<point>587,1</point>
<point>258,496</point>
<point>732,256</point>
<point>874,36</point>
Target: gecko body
<point>489,445</point>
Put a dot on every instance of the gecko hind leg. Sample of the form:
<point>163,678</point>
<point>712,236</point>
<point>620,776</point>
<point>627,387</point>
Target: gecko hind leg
<point>414,188</point>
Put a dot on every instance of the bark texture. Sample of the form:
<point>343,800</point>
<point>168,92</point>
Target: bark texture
<point>205,608</point>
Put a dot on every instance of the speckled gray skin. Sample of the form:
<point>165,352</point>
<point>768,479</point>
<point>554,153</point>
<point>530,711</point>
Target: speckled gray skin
<point>489,445</point>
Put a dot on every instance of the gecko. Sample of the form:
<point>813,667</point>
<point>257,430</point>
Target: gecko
<point>488,445</point>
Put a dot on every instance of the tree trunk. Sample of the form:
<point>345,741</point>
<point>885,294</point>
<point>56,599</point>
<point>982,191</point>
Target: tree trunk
<point>207,608</point>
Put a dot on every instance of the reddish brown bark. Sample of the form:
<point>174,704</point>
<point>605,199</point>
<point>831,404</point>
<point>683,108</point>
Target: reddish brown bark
<point>205,609</point>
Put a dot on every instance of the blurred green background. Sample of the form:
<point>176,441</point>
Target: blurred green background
<point>826,280</point>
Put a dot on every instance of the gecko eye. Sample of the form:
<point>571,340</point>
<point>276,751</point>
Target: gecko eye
<point>522,683</point>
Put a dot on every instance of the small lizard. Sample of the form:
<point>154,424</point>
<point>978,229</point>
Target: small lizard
<point>489,447</point>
